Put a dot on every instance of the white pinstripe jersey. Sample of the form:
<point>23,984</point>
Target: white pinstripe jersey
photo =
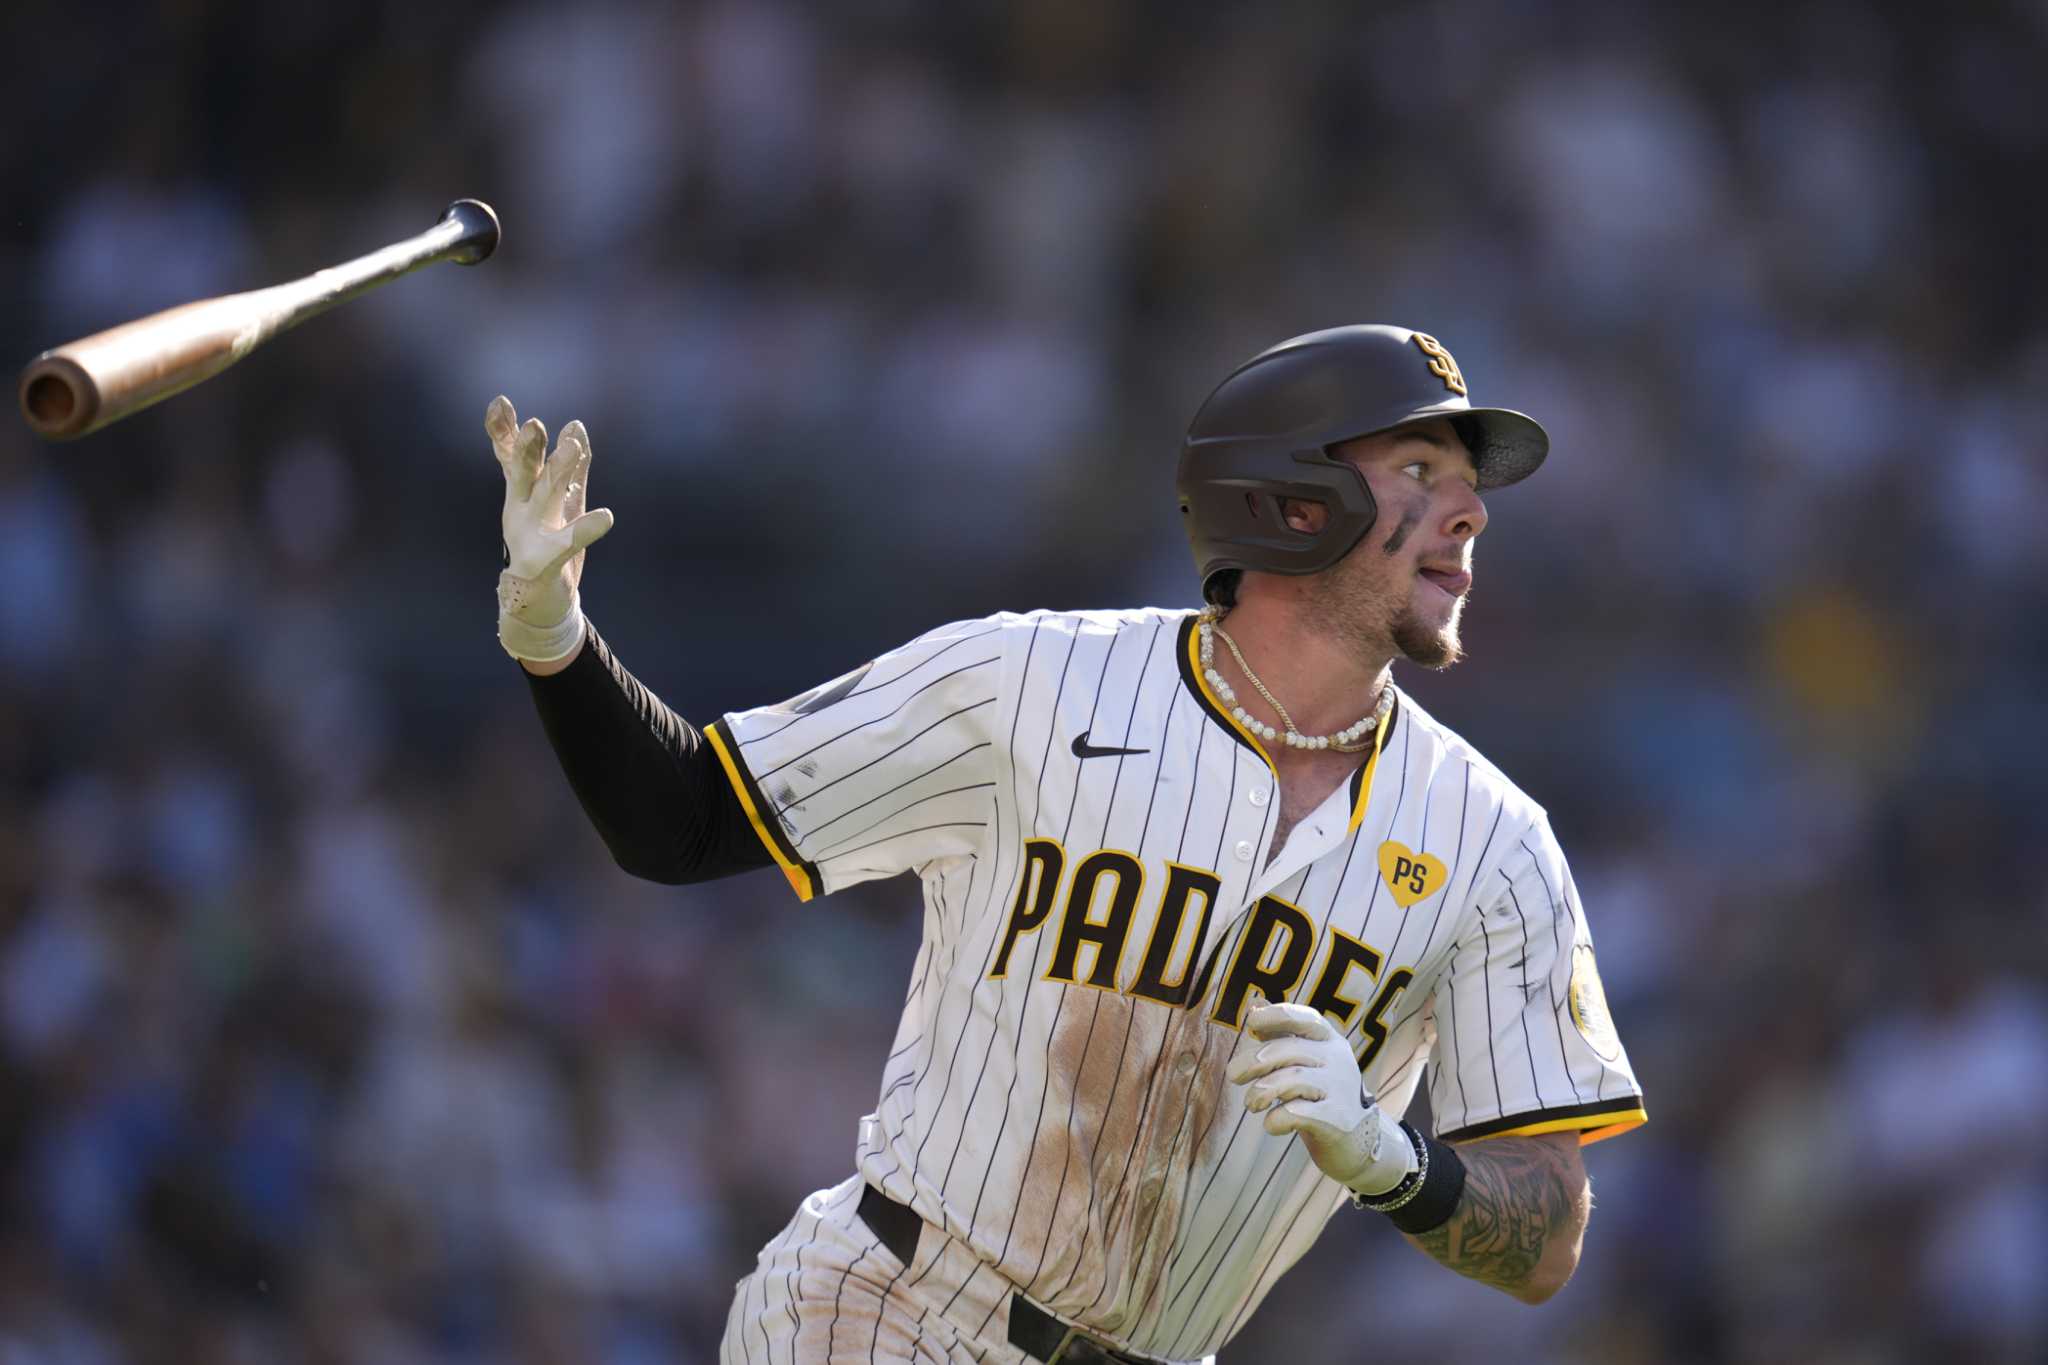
<point>1092,831</point>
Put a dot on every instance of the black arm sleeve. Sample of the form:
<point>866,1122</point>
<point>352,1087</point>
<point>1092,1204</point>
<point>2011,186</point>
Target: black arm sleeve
<point>646,777</point>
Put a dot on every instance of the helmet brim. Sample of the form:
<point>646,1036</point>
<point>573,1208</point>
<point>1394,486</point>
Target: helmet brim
<point>1507,446</point>
<point>1510,446</point>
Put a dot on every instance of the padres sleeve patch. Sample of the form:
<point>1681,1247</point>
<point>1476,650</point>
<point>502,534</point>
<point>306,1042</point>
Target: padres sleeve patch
<point>1589,1005</point>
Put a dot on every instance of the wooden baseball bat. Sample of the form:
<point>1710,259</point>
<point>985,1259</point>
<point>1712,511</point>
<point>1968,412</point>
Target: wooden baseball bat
<point>79,388</point>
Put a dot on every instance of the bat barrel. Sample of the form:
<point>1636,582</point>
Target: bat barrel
<point>84,385</point>
<point>58,397</point>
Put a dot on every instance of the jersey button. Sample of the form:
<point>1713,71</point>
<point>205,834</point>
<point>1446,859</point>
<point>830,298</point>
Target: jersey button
<point>1257,796</point>
<point>1244,850</point>
<point>1184,1063</point>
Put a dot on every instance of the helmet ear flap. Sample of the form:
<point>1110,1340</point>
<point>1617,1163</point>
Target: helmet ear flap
<point>1268,507</point>
<point>1285,520</point>
<point>1246,525</point>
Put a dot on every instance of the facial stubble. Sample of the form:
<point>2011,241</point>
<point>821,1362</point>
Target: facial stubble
<point>1371,615</point>
<point>1432,647</point>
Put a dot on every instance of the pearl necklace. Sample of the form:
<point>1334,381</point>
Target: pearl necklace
<point>1352,739</point>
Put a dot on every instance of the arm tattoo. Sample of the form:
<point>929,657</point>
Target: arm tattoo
<point>1525,1206</point>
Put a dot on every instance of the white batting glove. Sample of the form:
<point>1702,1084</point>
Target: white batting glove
<point>540,613</point>
<point>1304,1079</point>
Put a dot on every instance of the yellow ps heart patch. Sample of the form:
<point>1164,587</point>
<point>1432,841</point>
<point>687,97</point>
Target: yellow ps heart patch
<point>1411,876</point>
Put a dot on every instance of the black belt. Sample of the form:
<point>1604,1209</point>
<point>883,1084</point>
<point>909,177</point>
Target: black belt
<point>1033,1331</point>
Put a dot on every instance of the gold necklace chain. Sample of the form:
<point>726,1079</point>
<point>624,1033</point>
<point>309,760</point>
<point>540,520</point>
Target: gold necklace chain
<point>1253,679</point>
<point>1352,739</point>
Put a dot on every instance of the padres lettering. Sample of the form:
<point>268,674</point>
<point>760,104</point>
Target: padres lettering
<point>1097,916</point>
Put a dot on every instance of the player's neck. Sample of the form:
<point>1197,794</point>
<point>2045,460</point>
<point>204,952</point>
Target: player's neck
<point>1322,679</point>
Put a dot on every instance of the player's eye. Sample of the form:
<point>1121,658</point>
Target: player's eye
<point>1417,468</point>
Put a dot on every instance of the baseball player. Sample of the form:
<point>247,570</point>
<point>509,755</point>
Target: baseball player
<point>1206,896</point>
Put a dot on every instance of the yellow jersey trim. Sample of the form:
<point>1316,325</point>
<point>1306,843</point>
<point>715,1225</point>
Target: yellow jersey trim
<point>1216,707</point>
<point>1592,1127</point>
<point>800,880</point>
<point>1379,736</point>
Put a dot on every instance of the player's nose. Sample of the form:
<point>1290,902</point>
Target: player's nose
<point>1465,517</point>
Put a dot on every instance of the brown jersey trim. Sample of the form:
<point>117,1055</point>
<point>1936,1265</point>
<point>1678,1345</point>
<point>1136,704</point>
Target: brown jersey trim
<point>1361,780</point>
<point>1188,653</point>
<point>1596,1120</point>
<point>803,875</point>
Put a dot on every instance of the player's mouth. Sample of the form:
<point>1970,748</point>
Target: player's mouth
<point>1451,581</point>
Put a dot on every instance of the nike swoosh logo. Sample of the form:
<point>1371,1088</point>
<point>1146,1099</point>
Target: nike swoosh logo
<point>1083,749</point>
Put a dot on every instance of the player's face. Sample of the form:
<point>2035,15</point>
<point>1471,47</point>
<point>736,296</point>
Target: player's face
<point>1404,584</point>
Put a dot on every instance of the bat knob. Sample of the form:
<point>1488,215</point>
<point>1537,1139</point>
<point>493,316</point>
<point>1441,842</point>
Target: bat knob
<point>479,230</point>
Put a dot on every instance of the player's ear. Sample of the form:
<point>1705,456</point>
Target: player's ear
<point>1309,518</point>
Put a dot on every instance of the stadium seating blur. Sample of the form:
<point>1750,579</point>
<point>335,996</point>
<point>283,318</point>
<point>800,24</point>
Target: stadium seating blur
<point>328,1033</point>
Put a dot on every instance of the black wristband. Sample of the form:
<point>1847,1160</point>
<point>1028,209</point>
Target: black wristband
<point>1429,1195</point>
<point>1442,1186</point>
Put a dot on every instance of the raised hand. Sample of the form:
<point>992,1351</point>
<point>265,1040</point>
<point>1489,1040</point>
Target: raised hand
<point>546,531</point>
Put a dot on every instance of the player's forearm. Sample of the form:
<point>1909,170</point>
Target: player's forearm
<point>1522,1217</point>
<point>644,775</point>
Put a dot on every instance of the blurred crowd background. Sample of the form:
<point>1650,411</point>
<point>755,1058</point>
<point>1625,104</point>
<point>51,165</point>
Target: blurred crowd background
<point>328,1033</point>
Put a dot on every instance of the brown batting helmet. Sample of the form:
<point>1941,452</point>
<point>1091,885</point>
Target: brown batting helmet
<point>1265,434</point>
